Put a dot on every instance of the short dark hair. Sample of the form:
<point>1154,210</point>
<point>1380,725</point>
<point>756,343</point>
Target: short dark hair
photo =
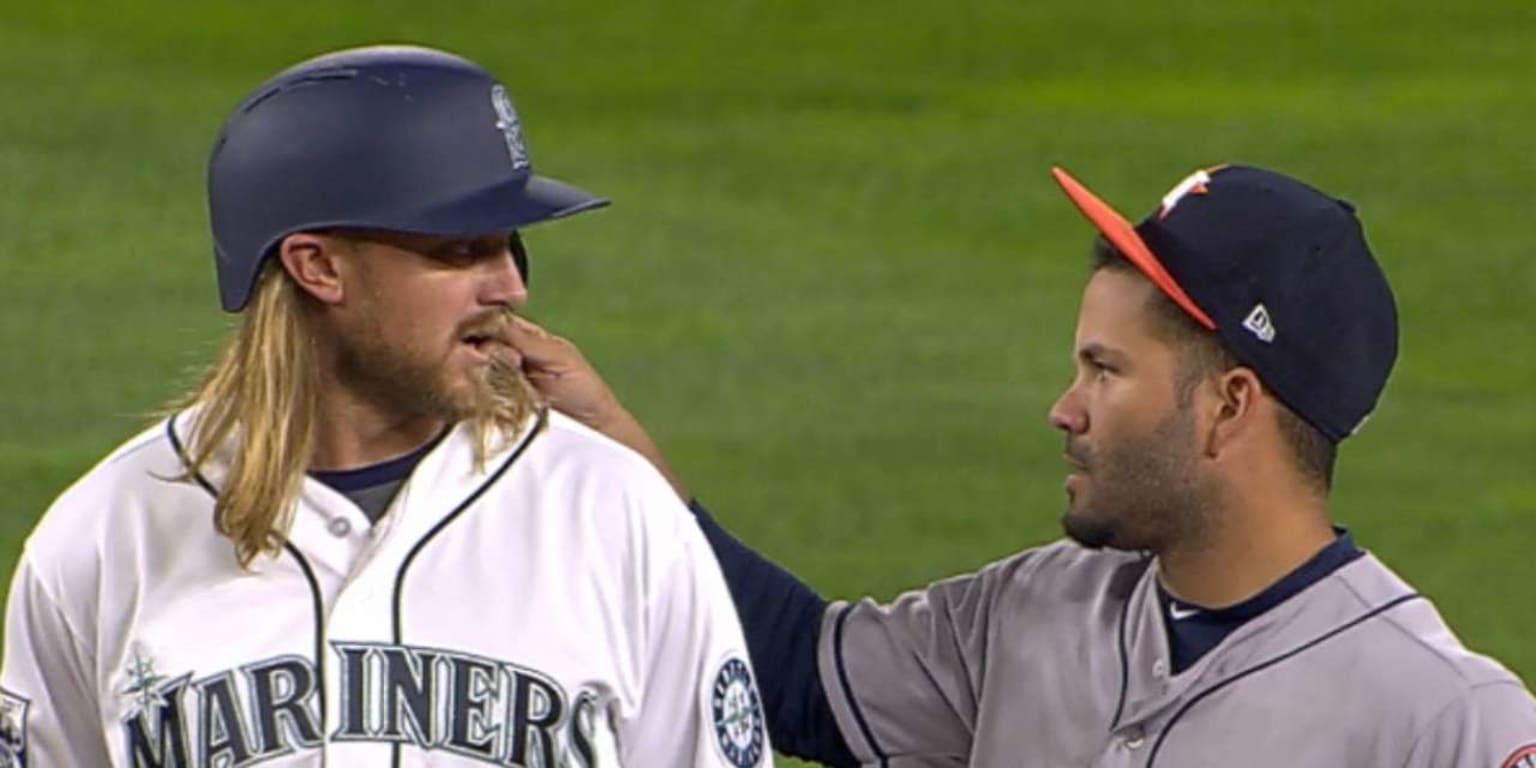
<point>1202,354</point>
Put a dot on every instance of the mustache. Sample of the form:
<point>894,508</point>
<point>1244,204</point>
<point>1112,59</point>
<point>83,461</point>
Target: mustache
<point>1077,454</point>
<point>489,323</point>
<point>505,371</point>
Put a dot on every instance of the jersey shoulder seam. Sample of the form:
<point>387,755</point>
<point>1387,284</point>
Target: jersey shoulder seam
<point>55,604</point>
<point>1416,641</point>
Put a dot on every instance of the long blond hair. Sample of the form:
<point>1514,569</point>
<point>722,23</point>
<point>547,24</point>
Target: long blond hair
<point>260,401</point>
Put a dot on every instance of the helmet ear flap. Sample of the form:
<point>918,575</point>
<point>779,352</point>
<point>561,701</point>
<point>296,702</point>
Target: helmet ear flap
<point>519,254</point>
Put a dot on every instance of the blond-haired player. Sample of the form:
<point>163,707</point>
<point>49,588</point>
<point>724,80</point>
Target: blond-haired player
<point>361,542</point>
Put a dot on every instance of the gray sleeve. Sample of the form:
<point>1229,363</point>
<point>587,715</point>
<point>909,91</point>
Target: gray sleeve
<point>903,678</point>
<point>1492,726</point>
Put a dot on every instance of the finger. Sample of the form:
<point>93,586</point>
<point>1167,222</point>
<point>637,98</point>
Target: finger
<point>524,325</point>
<point>505,355</point>
<point>542,375</point>
<point>531,340</point>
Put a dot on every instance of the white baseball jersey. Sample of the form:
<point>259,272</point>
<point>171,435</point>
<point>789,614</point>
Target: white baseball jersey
<point>558,608</point>
<point>1058,656</point>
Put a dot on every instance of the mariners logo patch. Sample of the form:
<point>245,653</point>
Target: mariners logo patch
<point>1524,757</point>
<point>510,126</point>
<point>13,729</point>
<point>737,715</point>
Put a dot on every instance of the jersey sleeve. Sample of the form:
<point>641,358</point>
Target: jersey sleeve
<point>700,705</point>
<point>903,678</point>
<point>48,711</point>
<point>1493,726</point>
<point>781,617</point>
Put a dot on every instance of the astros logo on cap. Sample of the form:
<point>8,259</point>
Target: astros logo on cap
<point>1193,184</point>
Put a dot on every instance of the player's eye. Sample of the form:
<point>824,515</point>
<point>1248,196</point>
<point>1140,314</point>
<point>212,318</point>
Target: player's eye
<point>1100,368</point>
<point>462,252</point>
<point>1095,365</point>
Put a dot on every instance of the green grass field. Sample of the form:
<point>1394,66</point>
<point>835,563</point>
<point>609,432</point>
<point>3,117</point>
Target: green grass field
<point>837,280</point>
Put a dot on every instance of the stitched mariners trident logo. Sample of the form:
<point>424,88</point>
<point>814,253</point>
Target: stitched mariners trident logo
<point>510,126</point>
<point>738,715</point>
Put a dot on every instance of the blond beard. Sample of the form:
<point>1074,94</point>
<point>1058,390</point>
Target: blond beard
<point>499,400</point>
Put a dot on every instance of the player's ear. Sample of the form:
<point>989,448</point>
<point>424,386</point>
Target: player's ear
<point>1237,413</point>
<point>311,259</point>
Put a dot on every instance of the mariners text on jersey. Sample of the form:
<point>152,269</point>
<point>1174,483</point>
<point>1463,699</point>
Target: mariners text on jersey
<point>491,711</point>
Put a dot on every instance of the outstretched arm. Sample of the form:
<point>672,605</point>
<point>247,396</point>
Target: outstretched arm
<point>781,616</point>
<point>570,384</point>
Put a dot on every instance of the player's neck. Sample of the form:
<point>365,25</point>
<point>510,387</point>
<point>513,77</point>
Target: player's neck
<point>351,432</point>
<point>1247,552</point>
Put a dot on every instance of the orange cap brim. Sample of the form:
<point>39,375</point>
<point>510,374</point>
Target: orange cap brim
<point>1123,236</point>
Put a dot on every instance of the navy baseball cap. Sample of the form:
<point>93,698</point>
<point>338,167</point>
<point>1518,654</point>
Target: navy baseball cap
<point>1281,271</point>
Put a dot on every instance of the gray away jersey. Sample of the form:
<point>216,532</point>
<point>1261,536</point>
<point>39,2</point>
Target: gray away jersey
<point>1058,656</point>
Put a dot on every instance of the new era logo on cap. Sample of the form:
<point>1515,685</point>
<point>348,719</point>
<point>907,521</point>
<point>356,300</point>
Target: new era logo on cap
<point>1259,324</point>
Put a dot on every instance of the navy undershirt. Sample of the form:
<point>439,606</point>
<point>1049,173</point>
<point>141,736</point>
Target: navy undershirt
<point>372,487</point>
<point>1193,631</point>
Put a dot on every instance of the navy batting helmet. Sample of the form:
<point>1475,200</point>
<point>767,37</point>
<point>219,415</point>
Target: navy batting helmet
<point>400,138</point>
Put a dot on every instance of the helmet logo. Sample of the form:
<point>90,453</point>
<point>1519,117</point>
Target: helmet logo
<point>511,128</point>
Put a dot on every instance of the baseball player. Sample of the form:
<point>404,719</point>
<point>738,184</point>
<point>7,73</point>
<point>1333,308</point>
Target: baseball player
<point>1204,611</point>
<point>361,542</point>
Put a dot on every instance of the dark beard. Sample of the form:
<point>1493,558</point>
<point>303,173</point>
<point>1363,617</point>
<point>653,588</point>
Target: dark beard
<point>1143,493</point>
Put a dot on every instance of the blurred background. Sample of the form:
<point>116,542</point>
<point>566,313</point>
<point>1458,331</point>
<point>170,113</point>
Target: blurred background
<point>837,281</point>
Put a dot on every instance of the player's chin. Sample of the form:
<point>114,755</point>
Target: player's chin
<point>462,387</point>
<point>1087,529</point>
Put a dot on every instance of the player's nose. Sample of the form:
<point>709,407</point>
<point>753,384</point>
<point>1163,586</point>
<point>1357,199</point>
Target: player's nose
<point>503,285</point>
<point>1067,413</point>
